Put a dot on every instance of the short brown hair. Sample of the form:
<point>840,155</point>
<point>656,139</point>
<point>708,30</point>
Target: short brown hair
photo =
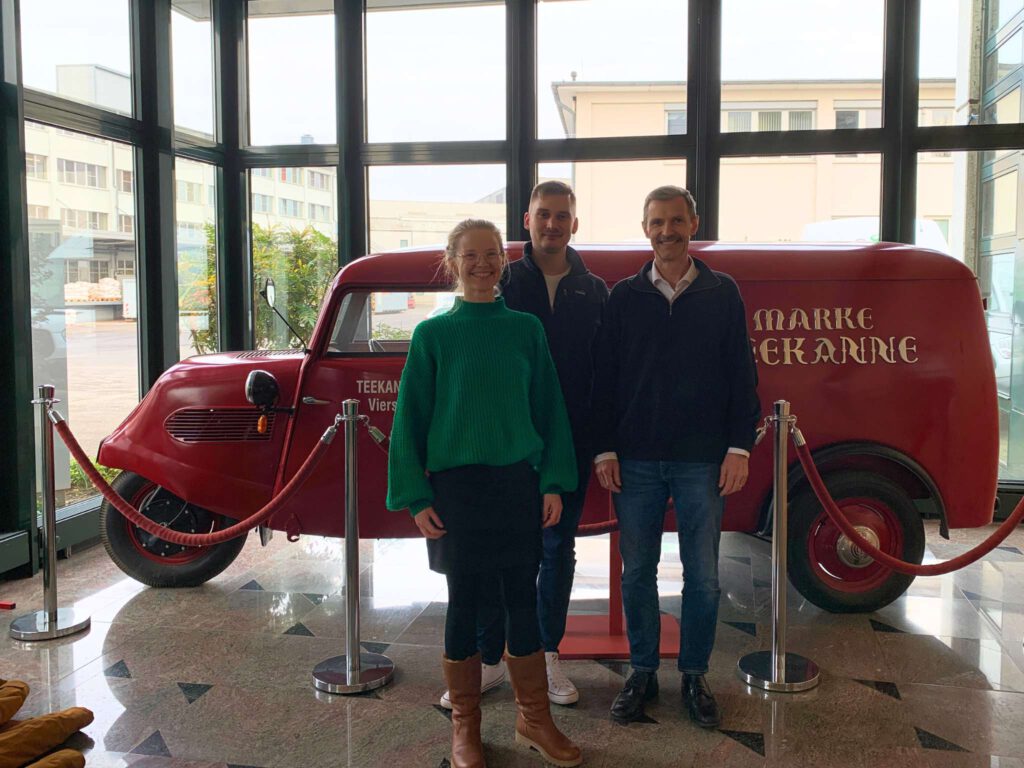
<point>464,226</point>
<point>554,187</point>
<point>671,192</point>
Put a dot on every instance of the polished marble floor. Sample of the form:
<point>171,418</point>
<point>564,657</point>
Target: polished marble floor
<point>221,675</point>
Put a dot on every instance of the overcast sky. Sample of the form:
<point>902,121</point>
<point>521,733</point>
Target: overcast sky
<point>439,74</point>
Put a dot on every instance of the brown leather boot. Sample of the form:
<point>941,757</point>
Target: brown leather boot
<point>463,678</point>
<point>534,726</point>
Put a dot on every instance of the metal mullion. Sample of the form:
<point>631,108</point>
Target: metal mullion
<point>234,270</point>
<point>958,137</point>
<point>154,163</point>
<point>614,148</point>
<point>18,481</point>
<point>350,85</point>
<point>210,155</point>
<point>286,155</point>
<point>899,119</point>
<point>520,147</point>
<point>815,142</point>
<point>82,118</point>
<point>435,152</point>
<point>704,101</point>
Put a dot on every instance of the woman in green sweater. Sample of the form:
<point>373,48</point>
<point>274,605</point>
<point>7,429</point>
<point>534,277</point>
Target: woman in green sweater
<point>480,451</point>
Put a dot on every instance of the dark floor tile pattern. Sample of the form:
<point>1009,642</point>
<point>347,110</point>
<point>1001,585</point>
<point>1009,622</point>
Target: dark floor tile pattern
<point>747,627</point>
<point>931,741</point>
<point>375,647</point>
<point>446,712</point>
<point>193,691</point>
<point>153,746</point>
<point>880,626</point>
<point>300,629</point>
<point>889,689</point>
<point>314,598</point>
<point>120,669</point>
<point>252,585</point>
<point>749,739</point>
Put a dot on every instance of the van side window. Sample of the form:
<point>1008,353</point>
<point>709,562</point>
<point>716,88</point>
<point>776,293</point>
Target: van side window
<point>382,322</point>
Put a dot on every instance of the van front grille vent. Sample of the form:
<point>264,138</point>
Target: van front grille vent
<point>218,425</point>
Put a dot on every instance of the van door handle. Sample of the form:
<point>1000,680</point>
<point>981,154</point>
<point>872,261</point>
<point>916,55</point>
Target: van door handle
<point>314,401</point>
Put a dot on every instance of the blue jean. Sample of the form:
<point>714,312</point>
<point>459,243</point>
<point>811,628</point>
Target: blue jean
<point>640,507</point>
<point>554,583</point>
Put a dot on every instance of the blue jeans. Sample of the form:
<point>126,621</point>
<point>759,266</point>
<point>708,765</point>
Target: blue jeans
<point>554,584</point>
<point>640,507</point>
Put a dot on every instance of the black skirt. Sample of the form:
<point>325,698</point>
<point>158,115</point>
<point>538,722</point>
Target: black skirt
<point>492,516</point>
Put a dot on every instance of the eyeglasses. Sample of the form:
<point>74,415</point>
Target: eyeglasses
<point>473,257</point>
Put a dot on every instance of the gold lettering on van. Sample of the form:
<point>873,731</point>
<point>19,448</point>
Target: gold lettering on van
<point>842,347</point>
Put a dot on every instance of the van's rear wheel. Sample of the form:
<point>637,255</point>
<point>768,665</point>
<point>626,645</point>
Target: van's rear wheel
<point>151,560</point>
<point>825,566</point>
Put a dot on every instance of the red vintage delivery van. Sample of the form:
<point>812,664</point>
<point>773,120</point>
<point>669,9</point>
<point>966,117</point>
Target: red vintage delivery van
<point>881,349</point>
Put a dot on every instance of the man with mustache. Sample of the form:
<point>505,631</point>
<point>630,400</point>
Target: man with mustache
<point>676,408</point>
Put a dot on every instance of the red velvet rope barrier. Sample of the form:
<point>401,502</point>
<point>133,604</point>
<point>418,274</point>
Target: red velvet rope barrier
<point>900,566</point>
<point>191,539</point>
<point>596,529</point>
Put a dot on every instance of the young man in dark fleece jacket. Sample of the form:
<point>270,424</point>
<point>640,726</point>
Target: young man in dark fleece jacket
<point>552,282</point>
<point>675,408</point>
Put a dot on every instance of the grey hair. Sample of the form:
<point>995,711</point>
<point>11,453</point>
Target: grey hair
<point>464,226</point>
<point>671,192</point>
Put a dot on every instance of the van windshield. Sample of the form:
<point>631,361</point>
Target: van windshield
<point>382,322</point>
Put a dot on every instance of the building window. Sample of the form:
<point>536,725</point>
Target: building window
<point>769,121</point>
<point>264,172</point>
<point>287,207</point>
<point>35,166</point>
<point>98,270</point>
<point>190,231</point>
<point>318,180</point>
<point>81,174</point>
<point>847,118</point>
<point>211,194</point>
<point>124,268</point>
<point>190,192</point>
<point>319,212</point>
<point>262,203</point>
<point>801,120</point>
<point>291,175</point>
<point>83,219</point>
<point>737,121</point>
<point>38,212</point>
<point>125,223</point>
<point>125,181</point>
<point>675,122</point>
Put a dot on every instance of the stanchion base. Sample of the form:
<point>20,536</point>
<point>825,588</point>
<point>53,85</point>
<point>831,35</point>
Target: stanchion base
<point>37,626</point>
<point>588,636</point>
<point>376,671</point>
<point>756,669</point>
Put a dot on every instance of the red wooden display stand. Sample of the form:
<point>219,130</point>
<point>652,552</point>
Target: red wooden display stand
<point>604,637</point>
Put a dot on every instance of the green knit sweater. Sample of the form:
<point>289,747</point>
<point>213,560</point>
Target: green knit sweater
<point>479,387</point>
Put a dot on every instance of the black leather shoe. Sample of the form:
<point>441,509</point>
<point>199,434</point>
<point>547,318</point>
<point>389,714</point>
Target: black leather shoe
<point>700,702</point>
<point>639,688</point>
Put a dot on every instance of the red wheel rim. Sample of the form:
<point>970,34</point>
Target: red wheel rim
<point>823,537</point>
<point>138,537</point>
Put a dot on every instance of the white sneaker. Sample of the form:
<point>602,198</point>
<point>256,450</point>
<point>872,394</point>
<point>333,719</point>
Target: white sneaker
<point>560,688</point>
<point>491,676</point>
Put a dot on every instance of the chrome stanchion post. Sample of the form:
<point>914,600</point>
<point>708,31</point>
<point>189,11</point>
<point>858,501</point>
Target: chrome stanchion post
<point>53,621</point>
<point>776,670</point>
<point>357,670</point>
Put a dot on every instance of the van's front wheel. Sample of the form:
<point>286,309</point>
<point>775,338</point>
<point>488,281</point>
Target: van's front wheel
<point>825,566</point>
<point>151,560</point>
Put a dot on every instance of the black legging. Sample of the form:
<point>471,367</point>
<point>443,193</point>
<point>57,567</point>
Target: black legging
<point>469,593</point>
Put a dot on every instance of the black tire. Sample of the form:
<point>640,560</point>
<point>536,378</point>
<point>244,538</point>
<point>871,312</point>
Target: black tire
<point>816,568</point>
<point>153,561</point>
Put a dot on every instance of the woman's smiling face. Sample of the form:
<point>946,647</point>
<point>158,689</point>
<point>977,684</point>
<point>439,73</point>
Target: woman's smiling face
<point>479,261</point>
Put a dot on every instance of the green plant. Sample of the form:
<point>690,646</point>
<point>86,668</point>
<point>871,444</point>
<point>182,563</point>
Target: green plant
<point>390,333</point>
<point>301,263</point>
<point>79,481</point>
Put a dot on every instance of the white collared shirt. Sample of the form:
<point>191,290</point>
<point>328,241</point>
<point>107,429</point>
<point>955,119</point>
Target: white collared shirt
<point>671,293</point>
